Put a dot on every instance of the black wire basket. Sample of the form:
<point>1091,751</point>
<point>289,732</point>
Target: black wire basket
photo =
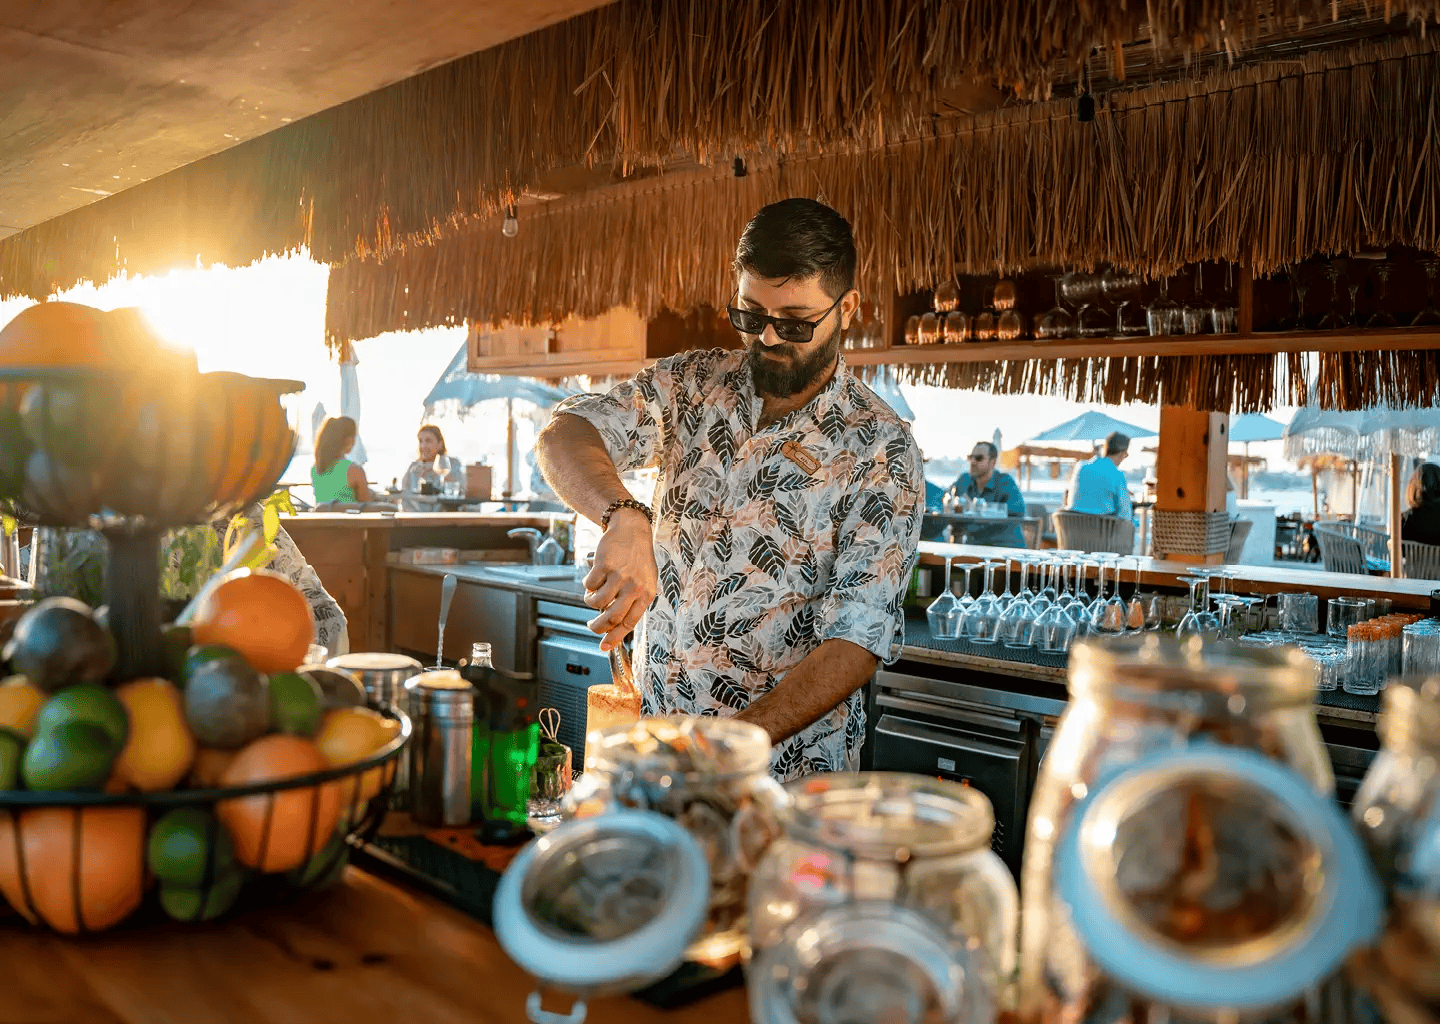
<point>77,862</point>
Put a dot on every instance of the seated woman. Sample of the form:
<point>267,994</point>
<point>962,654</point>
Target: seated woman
<point>334,477</point>
<point>1422,522</point>
<point>424,480</point>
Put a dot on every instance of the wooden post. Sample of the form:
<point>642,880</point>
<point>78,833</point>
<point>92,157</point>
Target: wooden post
<point>1190,469</point>
<point>1396,569</point>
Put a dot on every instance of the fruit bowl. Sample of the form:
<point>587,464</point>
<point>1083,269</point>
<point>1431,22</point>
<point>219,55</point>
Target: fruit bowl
<point>132,453</point>
<point>77,862</point>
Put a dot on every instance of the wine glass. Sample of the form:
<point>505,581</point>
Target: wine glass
<point>1199,620</point>
<point>957,327</point>
<point>1382,317</point>
<point>1056,628</point>
<point>912,330</point>
<point>1046,595</point>
<point>1329,319</point>
<point>929,332</point>
<point>1018,622</point>
<point>982,621</point>
<point>1058,322</point>
<point>945,611</point>
<point>1007,597</point>
<point>1163,315</point>
<point>1135,607</point>
<point>947,296</point>
<point>1108,616</point>
<point>1429,316</point>
<point>1124,290</point>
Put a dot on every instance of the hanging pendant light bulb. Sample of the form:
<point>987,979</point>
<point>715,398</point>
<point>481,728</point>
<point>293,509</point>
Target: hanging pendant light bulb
<point>511,227</point>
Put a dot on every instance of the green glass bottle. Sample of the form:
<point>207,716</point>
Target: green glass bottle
<point>510,705</point>
<point>477,673</point>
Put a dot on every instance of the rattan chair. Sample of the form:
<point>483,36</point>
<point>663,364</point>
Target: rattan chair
<point>1373,543</point>
<point>1340,551</point>
<point>1081,531</point>
<point>1420,561</point>
<point>1239,534</point>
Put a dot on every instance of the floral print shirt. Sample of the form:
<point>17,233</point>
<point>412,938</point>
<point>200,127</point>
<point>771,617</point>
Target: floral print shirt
<point>768,541</point>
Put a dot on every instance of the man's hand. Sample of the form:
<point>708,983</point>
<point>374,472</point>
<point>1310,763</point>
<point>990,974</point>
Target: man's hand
<point>623,582</point>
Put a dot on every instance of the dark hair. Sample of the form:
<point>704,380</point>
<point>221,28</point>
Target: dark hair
<point>438,436</point>
<point>994,452</point>
<point>1116,442</point>
<point>799,238</point>
<point>1424,485</point>
<point>335,436</point>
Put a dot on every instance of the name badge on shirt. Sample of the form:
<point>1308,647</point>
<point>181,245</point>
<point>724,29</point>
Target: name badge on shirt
<point>796,453</point>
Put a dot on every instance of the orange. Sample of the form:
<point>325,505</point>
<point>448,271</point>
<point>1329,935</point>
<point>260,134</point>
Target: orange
<point>300,821</point>
<point>260,615</point>
<point>111,871</point>
<point>160,748</point>
<point>210,764</point>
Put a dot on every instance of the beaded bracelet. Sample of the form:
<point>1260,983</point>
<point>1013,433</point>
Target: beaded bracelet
<point>615,506</point>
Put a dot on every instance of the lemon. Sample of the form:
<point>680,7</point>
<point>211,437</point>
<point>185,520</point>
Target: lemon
<point>20,702</point>
<point>348,735</point>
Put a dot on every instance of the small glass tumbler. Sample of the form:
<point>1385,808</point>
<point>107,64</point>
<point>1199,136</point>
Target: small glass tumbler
<point>316,654</point>
<point>549,783</point>
<point>1299,613</point>
<point>1343,612</point>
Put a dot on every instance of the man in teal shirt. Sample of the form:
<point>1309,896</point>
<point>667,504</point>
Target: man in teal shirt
<point>997,488</point>
<point>1099,487</point>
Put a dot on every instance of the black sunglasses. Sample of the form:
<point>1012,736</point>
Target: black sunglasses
<point>747,321</point>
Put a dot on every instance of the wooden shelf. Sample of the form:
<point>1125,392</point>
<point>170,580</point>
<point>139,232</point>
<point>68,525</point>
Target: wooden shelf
<point>1404,338</point>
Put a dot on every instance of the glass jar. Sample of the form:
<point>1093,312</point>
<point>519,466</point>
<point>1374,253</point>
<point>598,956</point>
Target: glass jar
<point>882,900</point>
<point>712,776</point>
<point>1129,699</point>
<point>1397,811</point>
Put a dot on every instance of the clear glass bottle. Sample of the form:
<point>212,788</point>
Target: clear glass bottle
<point>886,880</point>
<point>712,775</point>
<point>1397,811</point>
<point>1131,698</point>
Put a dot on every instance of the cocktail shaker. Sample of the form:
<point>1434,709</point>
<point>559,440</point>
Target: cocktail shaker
<point>442,710</point>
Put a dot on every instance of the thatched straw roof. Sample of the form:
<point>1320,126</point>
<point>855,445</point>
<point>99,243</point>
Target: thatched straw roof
<point>632,84</point>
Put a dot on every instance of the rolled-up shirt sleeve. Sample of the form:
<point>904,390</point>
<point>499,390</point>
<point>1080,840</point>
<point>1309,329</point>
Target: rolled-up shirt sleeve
<point>636,417</point>
<point>875,552</point>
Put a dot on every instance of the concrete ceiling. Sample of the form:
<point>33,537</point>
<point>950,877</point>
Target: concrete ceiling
<point>100,95</point>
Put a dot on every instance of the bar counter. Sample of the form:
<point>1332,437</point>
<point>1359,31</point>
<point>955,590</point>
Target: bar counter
<point>367,950</point>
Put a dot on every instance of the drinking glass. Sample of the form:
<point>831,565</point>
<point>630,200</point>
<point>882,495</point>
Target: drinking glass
<point>1355,317</point>
<point>1005,599</point>
<point>982,621</point>
<point>1343,612</point>
<point>1010,325</point>
<point>1429,316</point>
<point>1293,321</point>
<point>1163,315</point>
<point>1222,319</point>
<point>947,297</point>
<point>1135,606</point>
<point>1329,319</point>
<point>1058,322</point>
<point>1199,620</point>
<point>957,327</point>
<point>982,328</point>
<point>1382,317</point>
<point>945,611</point>
<point>1298,613</point>
<point>1055,629</point>
<point>1107,615</point>
<point>874,334</point>
<point>912,330</point>
<point>1124,290</point>
<point>1046,595</point>
<point>929,331</point>
<point>1017,624</point>
<point>1193,319</point>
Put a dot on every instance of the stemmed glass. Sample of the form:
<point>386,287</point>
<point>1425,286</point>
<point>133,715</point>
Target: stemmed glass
<point>1382,316</point>
<point>1004,600</point>
<point>1067,598</point>
<point>1045,596</point>
<point>1429,316</point>
<point>1163,316</point>
<point>945,612</point>
<point>982,621</point>
<point>1124,290</point>
<point>1055,323</point>
<point>1329,319</point>
<point>1056,628</point>
<point>1135,611</point>
<point>1107,615</point>
<point>1018,622</point>
<point>1199,620</point>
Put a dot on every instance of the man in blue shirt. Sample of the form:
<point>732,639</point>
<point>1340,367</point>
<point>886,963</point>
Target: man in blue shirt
<point>1098,487</point>
<point>997,488</point>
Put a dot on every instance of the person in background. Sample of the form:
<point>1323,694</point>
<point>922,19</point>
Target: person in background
<point>1099,487</point>
<point>425,479</point>
<point>983,480</point>
<point>334,477</point>
<point>1421,523</point>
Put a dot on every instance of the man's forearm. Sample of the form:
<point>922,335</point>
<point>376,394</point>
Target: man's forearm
<point>809,691</point>
<point>572,456</point>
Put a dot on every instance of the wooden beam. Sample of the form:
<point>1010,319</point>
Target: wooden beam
<point>1190,469</point>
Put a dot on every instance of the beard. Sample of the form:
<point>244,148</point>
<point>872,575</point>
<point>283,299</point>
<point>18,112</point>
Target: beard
<point>787,369</point>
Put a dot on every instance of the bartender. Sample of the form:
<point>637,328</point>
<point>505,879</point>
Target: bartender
<point>768,579</point>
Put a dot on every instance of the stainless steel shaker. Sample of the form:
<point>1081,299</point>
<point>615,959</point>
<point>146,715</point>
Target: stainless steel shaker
<point>442,711</point>
<point>383,676</point>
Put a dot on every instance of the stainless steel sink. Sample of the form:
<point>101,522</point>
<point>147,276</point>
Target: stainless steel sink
<point>536,573</point>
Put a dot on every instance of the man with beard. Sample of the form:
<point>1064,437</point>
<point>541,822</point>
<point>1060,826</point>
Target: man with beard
<point>785,520</point>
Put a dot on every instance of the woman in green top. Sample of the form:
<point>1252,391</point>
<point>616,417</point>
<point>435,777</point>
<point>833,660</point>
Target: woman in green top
<point>334,477</point>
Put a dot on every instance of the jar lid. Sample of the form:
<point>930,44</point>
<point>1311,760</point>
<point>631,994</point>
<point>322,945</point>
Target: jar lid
<point>374,661</point>
<point>1216,878</point>
<point>1169,671</point>
<point>889,815</point>
<point>863,962</point>
<point>605,904</point>
<point>687,746</point>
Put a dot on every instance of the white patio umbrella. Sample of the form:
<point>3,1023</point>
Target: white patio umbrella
<point>350,400</point>
<point>1253,427</point>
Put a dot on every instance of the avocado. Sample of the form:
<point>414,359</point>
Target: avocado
<point>58,643</point>
<point>227,703</point>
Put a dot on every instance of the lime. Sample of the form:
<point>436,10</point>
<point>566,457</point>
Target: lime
<point>177,641</point>
<point>73,755</point>
<point>203,655</point>
<point>194,904</point>
<point>325,868</point>
<point>89,703</point>
<point>185,843</point>
<point>295,704</point>
<point>12,752</point>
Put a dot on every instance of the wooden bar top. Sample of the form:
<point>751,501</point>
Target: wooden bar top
<point>367,950</point>
<point>1250,579</point>
<point>392,520</point>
